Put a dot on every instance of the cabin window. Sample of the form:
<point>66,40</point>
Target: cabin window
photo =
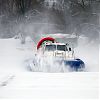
<point>70,49</point>
<point>50,47</point>
<point>62,47</point>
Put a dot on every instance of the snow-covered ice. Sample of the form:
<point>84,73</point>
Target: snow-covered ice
<point>17,82</point>
<point>52,86</point>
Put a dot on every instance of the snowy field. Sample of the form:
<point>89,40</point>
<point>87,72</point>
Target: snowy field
<point>17,82</point>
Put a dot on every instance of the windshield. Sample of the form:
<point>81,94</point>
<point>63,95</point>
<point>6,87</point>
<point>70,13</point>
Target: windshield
<point>50,47</point>
<point>59,47</point>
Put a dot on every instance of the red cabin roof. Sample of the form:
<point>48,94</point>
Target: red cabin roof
<point>44,39</point>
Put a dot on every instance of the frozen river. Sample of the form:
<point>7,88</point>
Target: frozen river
<point>17,82</point>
